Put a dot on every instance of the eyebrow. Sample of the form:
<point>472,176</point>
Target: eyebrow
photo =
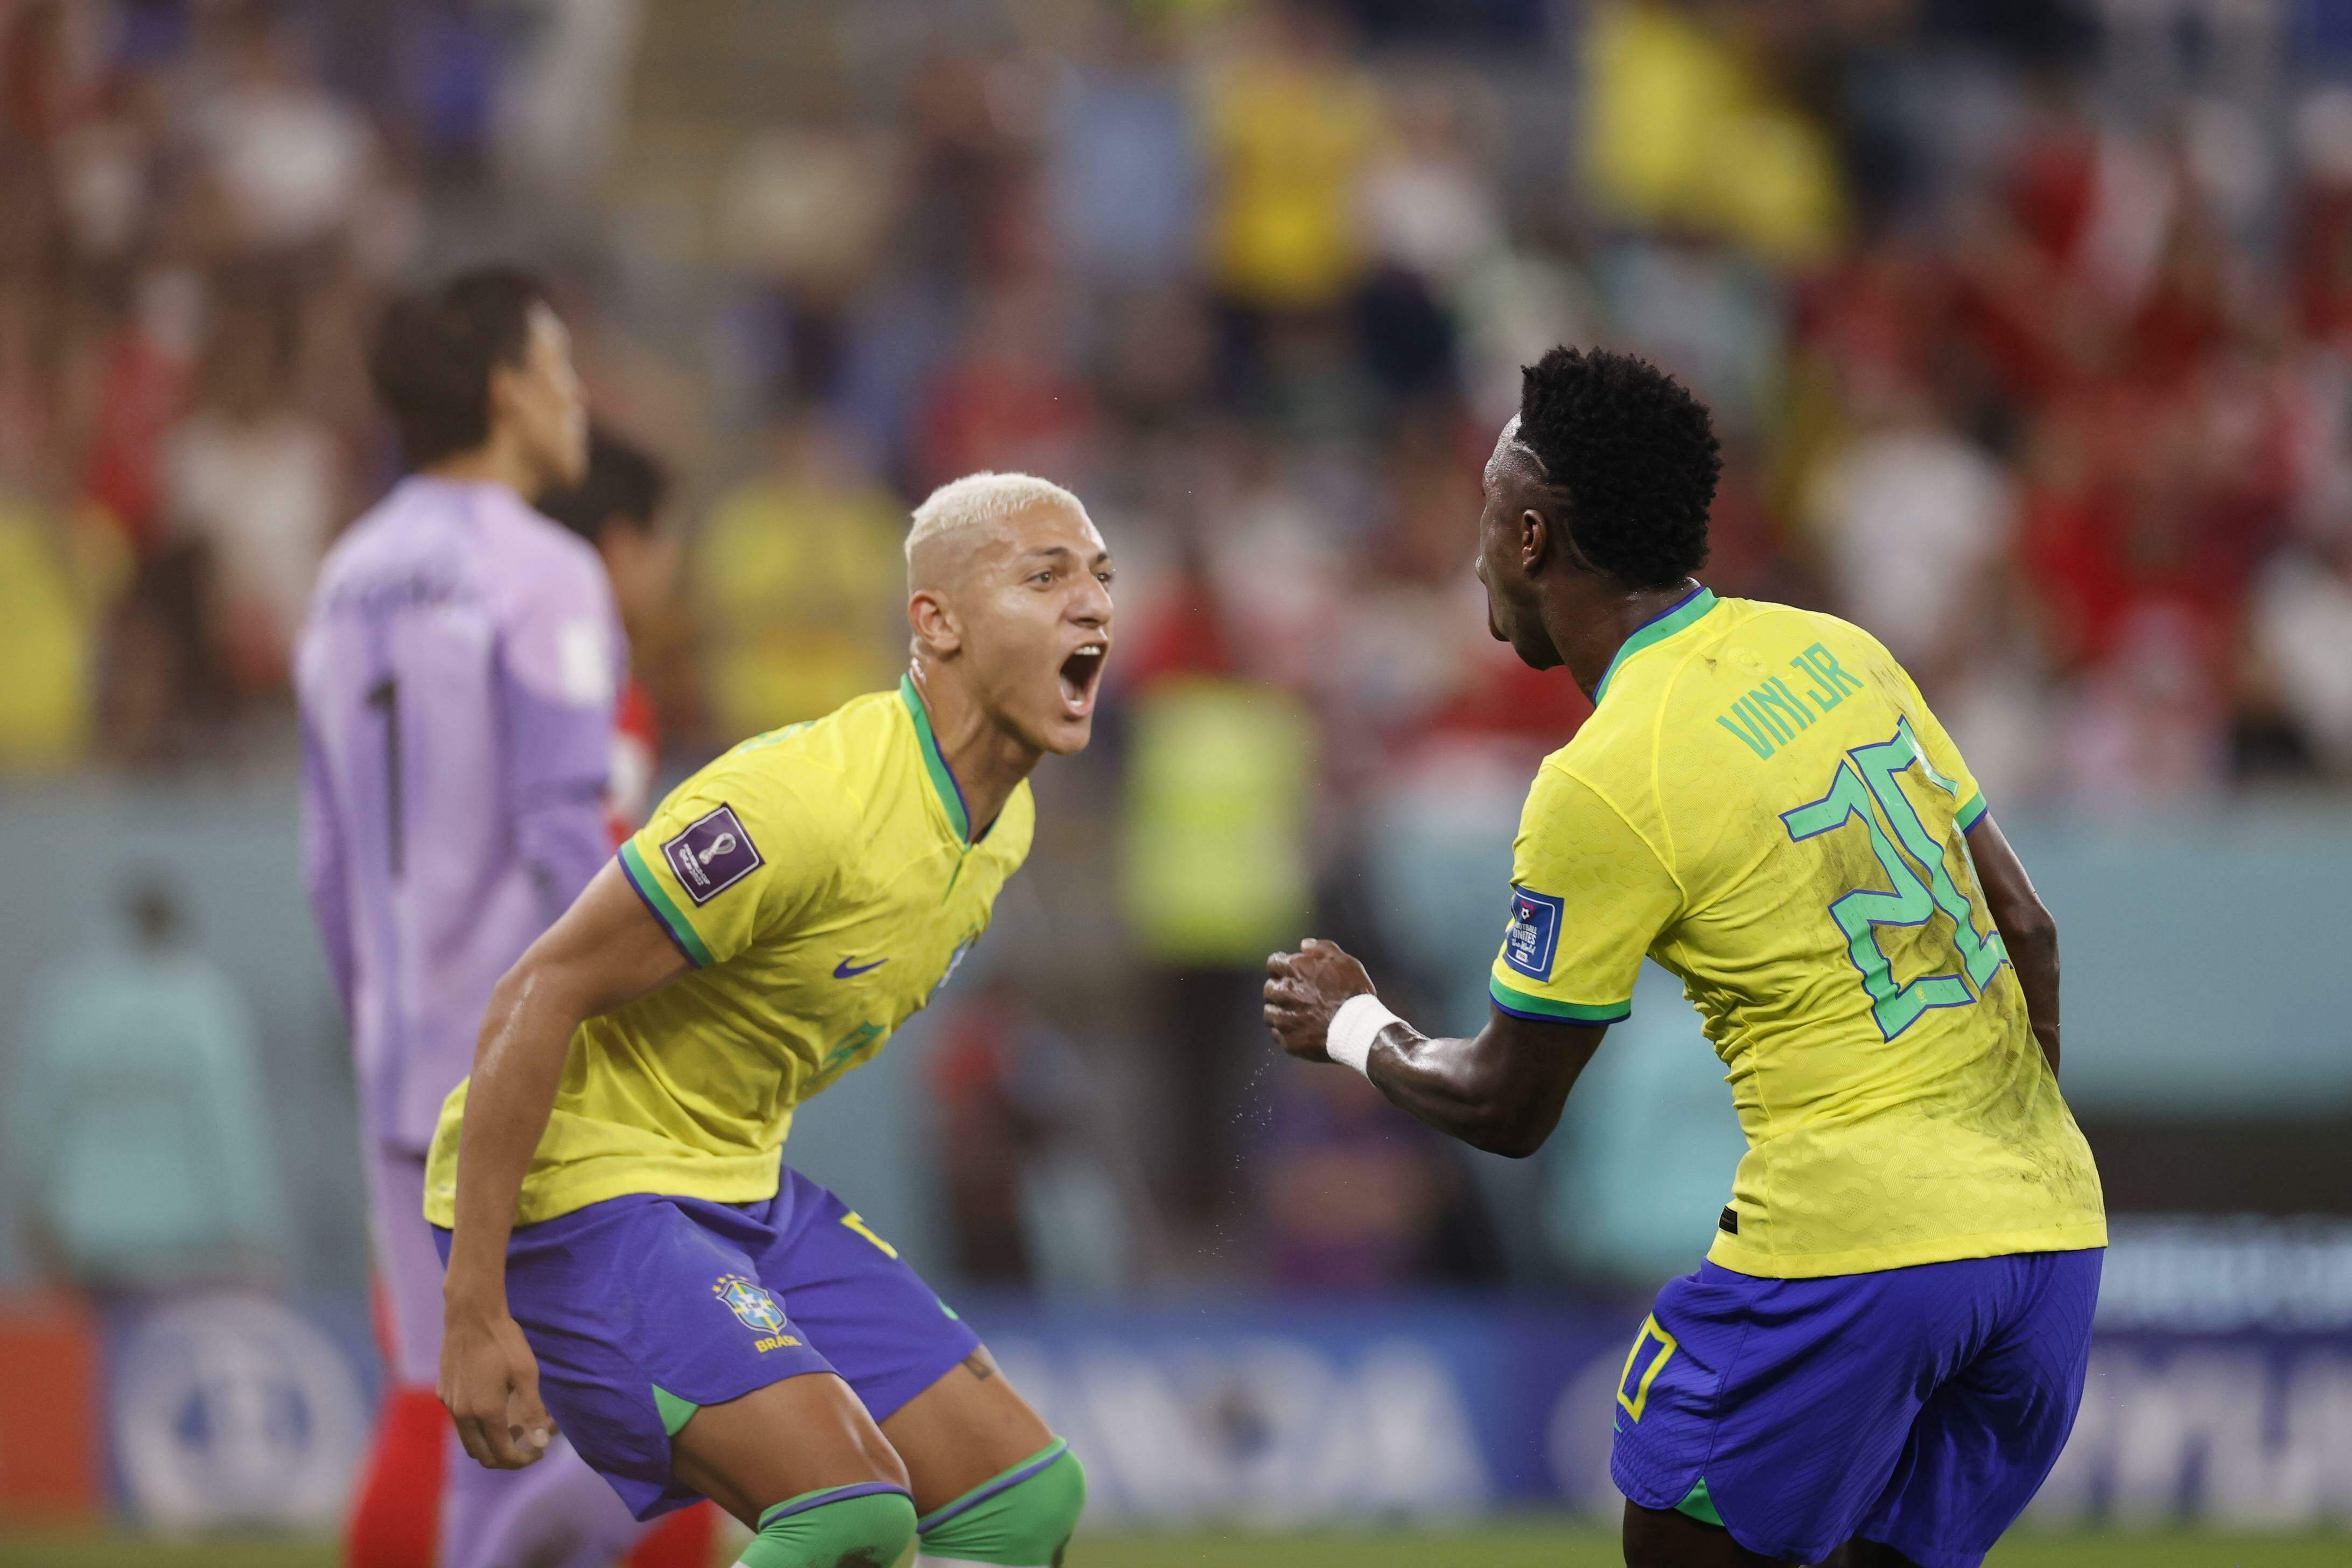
<point>1047,551</point>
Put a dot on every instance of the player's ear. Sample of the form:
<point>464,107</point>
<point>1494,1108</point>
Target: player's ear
<point>934,623</point>
<point>500,397</point>
<point>1535,541</point>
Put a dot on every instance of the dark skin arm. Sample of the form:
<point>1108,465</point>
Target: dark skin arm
<point>1501,1090</point>
<point>2027,929</point>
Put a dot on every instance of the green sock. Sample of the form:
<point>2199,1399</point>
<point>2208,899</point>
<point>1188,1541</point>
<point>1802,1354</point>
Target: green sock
<point>864,1526</point>
<point>1020,1518</point>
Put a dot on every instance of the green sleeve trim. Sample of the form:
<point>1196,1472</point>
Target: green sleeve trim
<point>1521,1004</point>
<point>674,1412</point>
<point>656,898</point>
<point>1971,814</point>
<point>1700,1506</point>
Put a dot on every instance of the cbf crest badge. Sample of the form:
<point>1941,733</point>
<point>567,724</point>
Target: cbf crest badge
<point>752,1306</point>
<point>755,1309</point>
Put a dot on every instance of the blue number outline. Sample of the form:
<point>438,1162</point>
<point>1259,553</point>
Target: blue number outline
<point>1866,774</point>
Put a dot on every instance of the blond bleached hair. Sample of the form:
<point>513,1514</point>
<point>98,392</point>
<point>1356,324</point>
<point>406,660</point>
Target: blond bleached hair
<point>978,499</point>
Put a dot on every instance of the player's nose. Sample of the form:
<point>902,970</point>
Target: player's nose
<point>1090,606</point>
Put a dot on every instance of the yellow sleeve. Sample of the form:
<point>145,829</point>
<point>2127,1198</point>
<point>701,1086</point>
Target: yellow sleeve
<point>735,852</point>
<point>1587,897</point>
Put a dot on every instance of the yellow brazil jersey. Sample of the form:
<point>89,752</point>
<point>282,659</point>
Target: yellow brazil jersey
<point>1762,803</point>
<point>822,880</point>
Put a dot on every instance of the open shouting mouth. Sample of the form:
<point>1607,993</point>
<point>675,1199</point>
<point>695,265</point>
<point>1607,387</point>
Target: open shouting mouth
<point>1080,674</point>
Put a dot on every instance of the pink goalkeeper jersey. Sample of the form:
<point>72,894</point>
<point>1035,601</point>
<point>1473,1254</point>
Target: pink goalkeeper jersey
<point>458,679</point>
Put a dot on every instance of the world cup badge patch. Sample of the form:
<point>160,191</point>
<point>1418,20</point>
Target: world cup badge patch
<point>1533,935</point>
<point>755,1309</point>
<point>712,854</point>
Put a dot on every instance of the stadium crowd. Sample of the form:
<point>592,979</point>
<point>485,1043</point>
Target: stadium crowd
<point>2027,328</point>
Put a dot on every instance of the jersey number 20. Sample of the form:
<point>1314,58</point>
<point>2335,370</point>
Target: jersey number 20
<point>1867,774</point>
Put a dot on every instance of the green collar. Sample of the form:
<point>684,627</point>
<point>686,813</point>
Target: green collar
<point>1656,631</point>
<point>944,779</point>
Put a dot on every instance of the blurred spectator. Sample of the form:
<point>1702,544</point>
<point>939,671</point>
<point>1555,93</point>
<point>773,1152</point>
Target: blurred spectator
<point>44,702</point>
<point>1291,124</point>
<point>1356,1197</point>
<point>2302,629</point>
<point>1041,1191</point>
<point>800,581</point>
<point>560,100</point>
<point>1008,398</point>
<point>2148,726</point>
<point>1125,176</point>
<point>1913,521</point>
<point>290,163</point>
<point>620,507</point>
<point>252,477</point>
<point>1705,312</point>
<point>136,1121</point>
<point>1429,204</point>
<point>1683,131</point>
<point>149,360</point>
<point>164,688</point>
<point>1215,869</point>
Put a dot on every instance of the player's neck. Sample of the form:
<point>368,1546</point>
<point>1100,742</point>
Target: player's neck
<point>988,762</point>
<point>494,462</point>
<point>1588,632</point>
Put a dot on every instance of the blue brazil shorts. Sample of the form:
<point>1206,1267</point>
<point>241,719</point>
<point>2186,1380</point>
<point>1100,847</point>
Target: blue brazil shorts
<point>642,1308</point>
<point>1919,1407</point>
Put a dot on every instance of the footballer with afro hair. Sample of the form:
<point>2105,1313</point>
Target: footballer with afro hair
<point>1686,821</point>
<point>1596,507</point>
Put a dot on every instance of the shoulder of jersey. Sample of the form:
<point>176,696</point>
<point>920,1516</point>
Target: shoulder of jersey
<point>368,533</point>
<point>548,543</point>
<point>1654,679</point>
<point>842,746</point>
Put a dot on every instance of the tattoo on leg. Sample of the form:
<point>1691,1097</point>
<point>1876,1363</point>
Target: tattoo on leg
<point>978,1366</point>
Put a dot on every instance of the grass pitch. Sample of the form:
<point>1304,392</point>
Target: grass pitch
<point>1520,1545</point>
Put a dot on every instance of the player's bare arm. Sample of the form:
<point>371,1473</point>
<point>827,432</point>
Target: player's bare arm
<point>2027,928</point>
<point>606,949</point>
<point>1501,1090</point>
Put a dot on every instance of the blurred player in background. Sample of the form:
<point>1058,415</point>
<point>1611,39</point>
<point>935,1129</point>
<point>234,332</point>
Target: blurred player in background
<point>457,680</point>
<point>1884,1351</point>
<point>621,1230</point>
<point>617,508</point>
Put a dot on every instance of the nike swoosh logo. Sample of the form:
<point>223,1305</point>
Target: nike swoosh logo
<point>845,969</point>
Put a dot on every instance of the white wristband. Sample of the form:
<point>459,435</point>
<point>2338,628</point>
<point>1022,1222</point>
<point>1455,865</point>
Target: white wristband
<point>1354,1027</point>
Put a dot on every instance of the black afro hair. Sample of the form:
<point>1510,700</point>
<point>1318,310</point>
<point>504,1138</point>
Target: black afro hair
<point>1636,455</point>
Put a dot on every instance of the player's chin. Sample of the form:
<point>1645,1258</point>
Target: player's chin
<point>1065,734</point>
